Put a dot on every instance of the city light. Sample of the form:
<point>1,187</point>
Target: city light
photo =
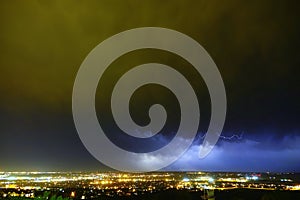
<point>88,185</point>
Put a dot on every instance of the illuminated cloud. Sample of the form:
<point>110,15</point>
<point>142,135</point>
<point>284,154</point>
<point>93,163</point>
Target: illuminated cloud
<point>245,155</point>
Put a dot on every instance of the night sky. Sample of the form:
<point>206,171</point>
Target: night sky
<point>255,45</point>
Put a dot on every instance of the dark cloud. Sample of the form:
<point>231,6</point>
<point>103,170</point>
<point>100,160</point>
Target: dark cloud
<point>42,44</point>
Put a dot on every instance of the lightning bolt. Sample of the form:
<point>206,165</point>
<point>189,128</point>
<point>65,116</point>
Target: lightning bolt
<point>233,137</point>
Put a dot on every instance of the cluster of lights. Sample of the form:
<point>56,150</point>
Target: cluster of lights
<point>237,180</point>
<point>138,183</point>
<point>254,178</point>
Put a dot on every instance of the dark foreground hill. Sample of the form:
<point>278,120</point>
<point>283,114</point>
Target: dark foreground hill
<point>234,194</point>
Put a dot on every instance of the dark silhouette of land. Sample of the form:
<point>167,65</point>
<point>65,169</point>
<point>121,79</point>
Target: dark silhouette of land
<point>234,194</point>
